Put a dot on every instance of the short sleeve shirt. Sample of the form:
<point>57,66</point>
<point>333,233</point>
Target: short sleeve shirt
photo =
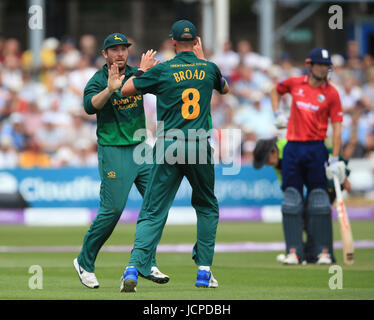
<point>311,108</point>
<point>183,86</point>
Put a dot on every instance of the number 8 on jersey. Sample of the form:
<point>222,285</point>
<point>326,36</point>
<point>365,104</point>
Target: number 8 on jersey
<point>188,102</point>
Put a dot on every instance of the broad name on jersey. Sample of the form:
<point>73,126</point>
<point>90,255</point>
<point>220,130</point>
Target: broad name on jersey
<point>188,75</point>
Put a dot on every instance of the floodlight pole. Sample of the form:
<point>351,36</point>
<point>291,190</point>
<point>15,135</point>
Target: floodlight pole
<point>222,23</point>
<point>266,26</point>
<point>36,29</point>
<point>208,25</point>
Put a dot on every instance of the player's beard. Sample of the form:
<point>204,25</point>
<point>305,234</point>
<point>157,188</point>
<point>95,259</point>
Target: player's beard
<point>318,78</point>
<point>122,68</point>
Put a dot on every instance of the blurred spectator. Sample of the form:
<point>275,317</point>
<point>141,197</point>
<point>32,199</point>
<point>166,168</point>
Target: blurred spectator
<point>247,86</point>
<point>367,63</point>
<point>32,90</point>
<point>60,118</point>
<point>2,44</point>
<point>8,154</point>
<point>48,55</point>
<point>219,105</point>
<point>16,103</point>
<point>60,93</point>
<point>251,59</point>
<point>78,78</point>
<point>354,148</point>
<point>227,147</point>
<point>337,74</point>
<point>227,60</point>
<point>4,98</point>
<point>370,140</point>
<point>287,67</point>
<point>41,110</point>
<point>244,50</point>
<point>354,59</point>
<point>32,119</point>
<point>88,48</point>
<point>49,52</point>
<point>258,116</point>
<point>368,90</point>
<point>33,156</point>
<point>12,47</point>
<point>166,51</point>
<point>249,144</point>
<point>50,137</point>
<point>134,54</point>
<point>79,129</point>
<point>350,93</point>
<point>247,56</point>
<point>69,54</point>
<point>86,153</point>
<point>355,130</point>
<point>64,157</point>
<point>12,74</point>
<point>15,130</point>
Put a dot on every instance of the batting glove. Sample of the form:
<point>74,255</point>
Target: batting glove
<point>280,120</point>
<point>336,168</point>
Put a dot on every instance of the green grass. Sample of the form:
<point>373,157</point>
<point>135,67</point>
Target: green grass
<point>243,276</point>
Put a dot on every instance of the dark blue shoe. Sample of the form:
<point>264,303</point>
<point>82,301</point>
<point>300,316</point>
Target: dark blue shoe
<point>129,280</point>
<point>205,279</point>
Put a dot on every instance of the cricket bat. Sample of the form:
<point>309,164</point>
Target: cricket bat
<point>345,227</point>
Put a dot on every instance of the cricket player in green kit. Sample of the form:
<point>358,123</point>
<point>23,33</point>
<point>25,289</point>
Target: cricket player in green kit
<point>183,86</point>
<point>117,120</point>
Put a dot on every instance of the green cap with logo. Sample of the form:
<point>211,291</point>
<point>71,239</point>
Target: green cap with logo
<point>183,30</point>
<point>115,39</point>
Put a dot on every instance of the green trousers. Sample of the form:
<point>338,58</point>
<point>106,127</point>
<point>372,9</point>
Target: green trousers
<point>118,172</point>
<point>165,180</point>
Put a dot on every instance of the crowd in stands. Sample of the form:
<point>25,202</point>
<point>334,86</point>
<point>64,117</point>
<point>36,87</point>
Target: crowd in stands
<point>43,123</point>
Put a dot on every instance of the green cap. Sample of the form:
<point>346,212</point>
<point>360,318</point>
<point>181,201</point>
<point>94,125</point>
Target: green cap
<point>183,30</point>
<point>115,39</point>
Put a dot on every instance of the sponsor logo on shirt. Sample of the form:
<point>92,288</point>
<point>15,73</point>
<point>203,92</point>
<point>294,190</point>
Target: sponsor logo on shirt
<point>127,103</point>
<point>307,106</point>
<point>188,65</point>
<point>321,98</point>
<point>111,174</point>
<point>300,93</point>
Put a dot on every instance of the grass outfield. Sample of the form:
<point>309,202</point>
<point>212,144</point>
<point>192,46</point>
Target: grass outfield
<point>242,276</point>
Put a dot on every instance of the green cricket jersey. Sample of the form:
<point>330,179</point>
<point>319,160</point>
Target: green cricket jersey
<point>121,116</point>
<point>184,87</point>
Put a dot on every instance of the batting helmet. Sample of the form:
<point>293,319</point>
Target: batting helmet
<point>319,55</point>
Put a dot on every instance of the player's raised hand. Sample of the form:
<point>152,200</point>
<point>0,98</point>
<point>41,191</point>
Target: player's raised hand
<point>114,78</point>
<point>198,49</point>
<point>148,60</point>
